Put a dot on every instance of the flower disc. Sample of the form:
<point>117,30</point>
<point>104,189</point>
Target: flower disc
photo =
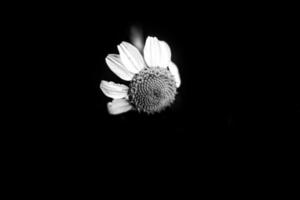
<point>152,90</point>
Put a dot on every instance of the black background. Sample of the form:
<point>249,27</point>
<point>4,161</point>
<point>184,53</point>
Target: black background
<point>237,102</point>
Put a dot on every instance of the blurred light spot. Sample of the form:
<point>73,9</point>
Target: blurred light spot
<point>136,37</point>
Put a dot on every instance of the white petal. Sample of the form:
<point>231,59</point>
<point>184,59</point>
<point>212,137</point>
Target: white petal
<point>114,90</point>
<point>174,71</point>
<point>165,56</point>
<point>118,106</point>
<point>114,63</point>
<point>131,57</point>
<point>157,53</point>
<point>151,51</point>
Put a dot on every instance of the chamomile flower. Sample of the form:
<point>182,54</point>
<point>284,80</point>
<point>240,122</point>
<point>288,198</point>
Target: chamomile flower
<point>153,77</point>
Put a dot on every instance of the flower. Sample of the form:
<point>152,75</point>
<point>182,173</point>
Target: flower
<point>154,78</point>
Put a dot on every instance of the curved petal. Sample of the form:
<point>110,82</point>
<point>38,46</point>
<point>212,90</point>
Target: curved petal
<point>174,71</point>
<point>113,90</point>
<point>118,106</point>
<point>114,63</point>
<point>157,53</point>
<point>131,57</point>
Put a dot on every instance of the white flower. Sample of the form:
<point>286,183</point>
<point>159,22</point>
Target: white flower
<point>153,78</point>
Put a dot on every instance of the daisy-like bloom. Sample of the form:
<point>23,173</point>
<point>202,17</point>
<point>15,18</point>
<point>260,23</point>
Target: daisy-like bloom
<point>153,78</point>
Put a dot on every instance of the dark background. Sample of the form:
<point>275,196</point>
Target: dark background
<point>236,111</point>
<point>237,102</point>
<point>236,65</point>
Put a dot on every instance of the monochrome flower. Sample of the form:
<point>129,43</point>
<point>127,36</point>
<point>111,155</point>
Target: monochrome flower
<point>153,77</point>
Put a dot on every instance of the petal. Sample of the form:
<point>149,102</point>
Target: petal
<point>131,57</point>
<point>114,63</point>
<point>118,106</point>
<point>114,90</point>
<point>174,71</point>
<point>151,51</point>
<point>165,56</point>
<point>157,53</point>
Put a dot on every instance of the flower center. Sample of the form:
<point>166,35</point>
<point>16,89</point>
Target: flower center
<point>152,89</point>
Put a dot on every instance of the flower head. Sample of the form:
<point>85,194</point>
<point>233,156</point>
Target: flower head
<point>153,78</point>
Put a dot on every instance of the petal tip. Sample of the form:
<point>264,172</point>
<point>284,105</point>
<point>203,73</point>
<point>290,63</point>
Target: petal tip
<point>118,106</point>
